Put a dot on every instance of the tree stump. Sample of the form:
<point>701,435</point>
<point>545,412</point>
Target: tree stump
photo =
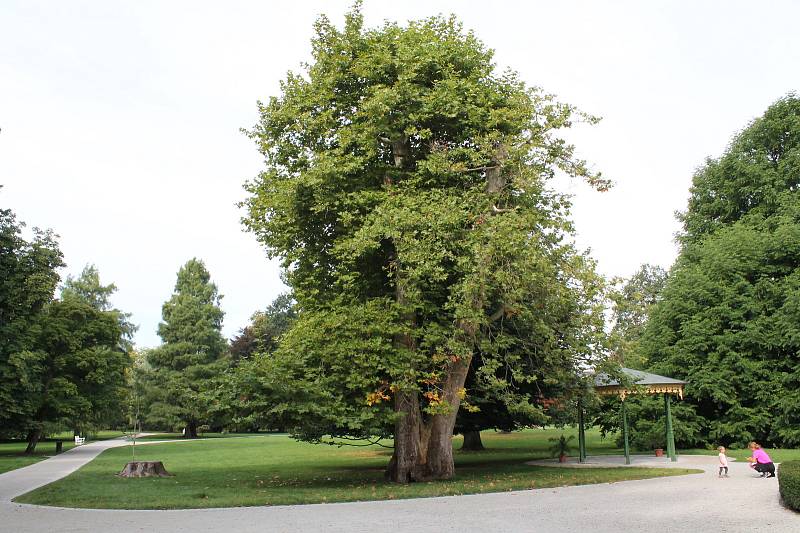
<point>144,469</point>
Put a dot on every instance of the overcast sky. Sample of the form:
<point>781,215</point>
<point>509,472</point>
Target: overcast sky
<point>120,120</point>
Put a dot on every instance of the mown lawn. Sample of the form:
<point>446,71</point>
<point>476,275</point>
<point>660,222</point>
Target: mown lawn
<point>275,470</point>
<point>778,455</point>
<point>12,454</point>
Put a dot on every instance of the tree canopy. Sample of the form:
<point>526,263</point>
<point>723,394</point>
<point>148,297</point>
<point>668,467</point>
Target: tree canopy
<point>632,302</point>
<point>729,315</point>
<point>28,281</point>
<point>62,362</point>
<point>405,192</point>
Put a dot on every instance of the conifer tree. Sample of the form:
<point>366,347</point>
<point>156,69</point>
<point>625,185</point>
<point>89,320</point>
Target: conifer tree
<point>192,354</point>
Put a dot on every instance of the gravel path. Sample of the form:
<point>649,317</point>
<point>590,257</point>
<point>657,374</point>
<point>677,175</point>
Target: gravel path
<point>692,503</point>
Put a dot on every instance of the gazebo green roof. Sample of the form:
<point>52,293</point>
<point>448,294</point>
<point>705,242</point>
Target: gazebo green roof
<point>638,377</point>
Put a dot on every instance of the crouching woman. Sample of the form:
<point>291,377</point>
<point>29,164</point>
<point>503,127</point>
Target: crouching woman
<point>760,461</point>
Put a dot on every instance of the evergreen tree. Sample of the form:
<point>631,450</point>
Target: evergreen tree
<point>192,354</point>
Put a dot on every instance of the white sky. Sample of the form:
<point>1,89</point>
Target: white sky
<point>120,120</point>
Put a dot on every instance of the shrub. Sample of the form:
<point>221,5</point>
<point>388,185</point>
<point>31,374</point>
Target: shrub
<point>789,483</point>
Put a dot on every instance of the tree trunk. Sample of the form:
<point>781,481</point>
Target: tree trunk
<point>423,449</point>
<point>144,469</point>
<point>440,463</point>
<point>404,466</point>
<point>33,439</point>
<point>472,441</point>
<point>190,431</point>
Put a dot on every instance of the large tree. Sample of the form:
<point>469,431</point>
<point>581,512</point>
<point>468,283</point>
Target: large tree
<point>78,368</point>
<point>193,352</point>
<point>405,192</point>
<point>28,278</point>
<point>729,315</point>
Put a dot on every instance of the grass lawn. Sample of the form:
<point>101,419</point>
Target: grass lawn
<point>209,435</point>
<point>274,469</point>
<point>12,454</point>
<point>778,455</point>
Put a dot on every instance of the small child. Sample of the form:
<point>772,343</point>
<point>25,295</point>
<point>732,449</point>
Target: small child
<point>723,461</point>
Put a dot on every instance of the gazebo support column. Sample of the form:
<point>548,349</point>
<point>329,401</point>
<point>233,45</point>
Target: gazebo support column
<point>670,435</point>
<point>625,433</point>
<point>581,434</point>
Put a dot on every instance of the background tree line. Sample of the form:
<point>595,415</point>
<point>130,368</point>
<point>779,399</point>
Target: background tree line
<point>726,317</point>
<point>63,361</point>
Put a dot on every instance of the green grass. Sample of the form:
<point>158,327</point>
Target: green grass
<point>778,455</point>
<point>179,436</point>
<point>274,469</point>
<point>103,434</point>
<point>12,453</point>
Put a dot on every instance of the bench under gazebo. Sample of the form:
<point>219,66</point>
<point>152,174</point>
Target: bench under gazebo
<point>640,383</point>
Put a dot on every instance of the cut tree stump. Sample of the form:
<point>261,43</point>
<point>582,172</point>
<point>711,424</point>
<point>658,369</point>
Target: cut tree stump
<point>144,469</point>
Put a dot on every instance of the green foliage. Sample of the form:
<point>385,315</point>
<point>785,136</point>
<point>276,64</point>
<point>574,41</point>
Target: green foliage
<point>789,483</point>
<point>87,288</point>
<point>193,353</point>
<point>632,303</point>
<point>560,445</point>
<point>647,422</point>
<point>76,370</point>
<point>27,283</point>
<point>729,315</point>
<point>265,329</point>
<point>753,179</point>
<point>405,193</point>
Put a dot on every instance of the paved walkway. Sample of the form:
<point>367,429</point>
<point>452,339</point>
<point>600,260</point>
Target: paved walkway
<point>699,502</point>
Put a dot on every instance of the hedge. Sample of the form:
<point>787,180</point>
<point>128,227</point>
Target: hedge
<point>789,483</point>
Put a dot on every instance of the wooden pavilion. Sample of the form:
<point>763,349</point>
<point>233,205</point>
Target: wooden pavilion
<point>639,383</point>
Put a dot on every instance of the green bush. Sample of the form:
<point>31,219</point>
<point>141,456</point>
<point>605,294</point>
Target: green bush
<point>789,483</point>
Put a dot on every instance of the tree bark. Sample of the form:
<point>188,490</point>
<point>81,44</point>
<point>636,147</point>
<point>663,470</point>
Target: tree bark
<point>406,461</point>
<point>472,441</point>
<point>190,431</point>
<point>440,463</point>
<point>33,439</point>
<point>144,469</point>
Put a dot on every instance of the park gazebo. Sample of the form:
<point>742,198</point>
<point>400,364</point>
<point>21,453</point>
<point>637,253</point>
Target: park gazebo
<point>639,383</point>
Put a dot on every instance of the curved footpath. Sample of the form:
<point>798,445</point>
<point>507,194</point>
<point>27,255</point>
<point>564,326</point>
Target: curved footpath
<point>693,503</point>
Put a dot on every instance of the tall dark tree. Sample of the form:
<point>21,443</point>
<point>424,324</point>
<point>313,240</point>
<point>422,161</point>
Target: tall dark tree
<point>729,319</point>
<point>192,354</point>
<point>264,330</point>
<point>406,194</point>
